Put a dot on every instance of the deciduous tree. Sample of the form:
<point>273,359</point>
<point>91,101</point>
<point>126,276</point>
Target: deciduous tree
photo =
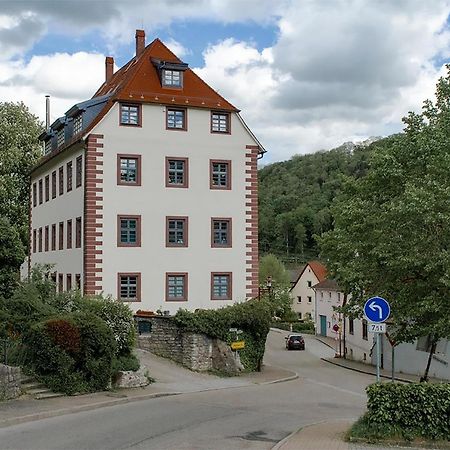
<point>391,234</point>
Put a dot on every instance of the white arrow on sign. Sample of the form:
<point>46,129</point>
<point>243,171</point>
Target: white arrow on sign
<point>373,306</point>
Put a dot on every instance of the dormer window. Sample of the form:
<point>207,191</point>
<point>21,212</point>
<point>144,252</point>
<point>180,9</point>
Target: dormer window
<point>48,146</point>
<point>60,137</point>
<point>172,78</point>
<point>77,124</point>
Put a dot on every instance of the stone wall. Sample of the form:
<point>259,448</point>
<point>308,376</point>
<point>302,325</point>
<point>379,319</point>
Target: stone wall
<point>194,351</point>
<point>9,382</point>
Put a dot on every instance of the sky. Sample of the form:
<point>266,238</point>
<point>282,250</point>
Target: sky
<point>307,74</point>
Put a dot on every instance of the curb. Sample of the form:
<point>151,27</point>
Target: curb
<point>325,343</point>
<point>120,401</point>
<point>403,380</point>
<point>279,445</point>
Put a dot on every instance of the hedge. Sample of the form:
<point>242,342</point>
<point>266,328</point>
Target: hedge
<point>252,317</point>
<point>297,327</point>
<point>413,410</point>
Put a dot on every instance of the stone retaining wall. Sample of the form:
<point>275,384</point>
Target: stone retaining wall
<point>9,382</point>
<point>194,351</point>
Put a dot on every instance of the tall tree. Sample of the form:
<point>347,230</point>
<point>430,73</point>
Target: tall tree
<point>19,151</point>
<point>392,227</point>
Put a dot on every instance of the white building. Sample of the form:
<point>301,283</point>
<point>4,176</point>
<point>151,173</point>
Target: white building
<point>327,298</point>
<point>359,345</point>
<point>148,191</point>
<point>302,292</point>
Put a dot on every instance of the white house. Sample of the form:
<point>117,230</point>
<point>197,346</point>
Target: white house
<point>359,345</point>
<point>148,191</point>
<point>327,298</point>
<point>302,292</point>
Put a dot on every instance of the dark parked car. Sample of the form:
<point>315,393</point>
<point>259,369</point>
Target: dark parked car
<point>295,342</point>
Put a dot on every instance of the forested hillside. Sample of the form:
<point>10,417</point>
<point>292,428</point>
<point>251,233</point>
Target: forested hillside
<point>295,197</point>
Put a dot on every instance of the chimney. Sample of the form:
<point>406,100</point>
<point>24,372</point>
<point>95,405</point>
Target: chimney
<point>109,67</point>
<point>47,112</point>
<point>140,42</point>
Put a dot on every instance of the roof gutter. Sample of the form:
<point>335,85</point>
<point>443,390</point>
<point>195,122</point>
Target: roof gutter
<point>261,150</point>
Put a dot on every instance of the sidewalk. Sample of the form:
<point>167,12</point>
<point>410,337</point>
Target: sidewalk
<point>358,366</point>
<point>171,379</point>
<point>325,436</point>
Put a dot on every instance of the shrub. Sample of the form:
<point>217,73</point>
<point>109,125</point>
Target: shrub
<point>416,409</point>
<point>64,334</point>
<point>125,362</point>
<point>117,315</point>
<point>71,354</point>
<point>252,317</point>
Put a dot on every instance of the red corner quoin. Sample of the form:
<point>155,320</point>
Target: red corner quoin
<point>93,215</point>
<point>251,204</point>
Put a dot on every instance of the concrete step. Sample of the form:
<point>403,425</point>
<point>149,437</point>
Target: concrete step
<point>48,394</point>
<point>39,390</point>
<point>31,385</point>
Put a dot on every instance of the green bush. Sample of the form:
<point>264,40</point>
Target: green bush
<point>297,327</point>
<point>252,317</point>
<point>125,362</point>
<point>117,315</point>
<point>414,410</point>
<point>71,354</point>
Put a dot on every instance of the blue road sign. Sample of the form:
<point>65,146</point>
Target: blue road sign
<point>377,309</point>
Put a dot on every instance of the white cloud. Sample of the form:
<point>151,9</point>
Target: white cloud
<point>176,47</point>
<point>338,71</point>
<point>68,79</point>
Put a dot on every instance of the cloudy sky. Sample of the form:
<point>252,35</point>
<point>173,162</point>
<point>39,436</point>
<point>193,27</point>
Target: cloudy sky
<point>307,74</point>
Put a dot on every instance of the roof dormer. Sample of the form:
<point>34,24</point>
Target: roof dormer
<point>170,73</point>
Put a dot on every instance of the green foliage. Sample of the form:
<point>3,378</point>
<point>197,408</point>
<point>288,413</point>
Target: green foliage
<point>392,227</point>
<point>297,327</point>
<point>252,317</point>
<point>271,268</point>
<point>295,197</point>
<point>74,344</point>
<point>12,255</point>
<point>125,363</point>
<point>19,151</point>
<point>71,354</point>
<point>411,410</point>
<point>116,314</point>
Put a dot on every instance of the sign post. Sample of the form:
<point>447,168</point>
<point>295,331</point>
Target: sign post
<point>377,311</point>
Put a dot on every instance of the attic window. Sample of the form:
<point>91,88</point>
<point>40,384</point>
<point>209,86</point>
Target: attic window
<point>48,146</point>
<point>60,137</point>
<point>77,124</point>
<point>172,78</point>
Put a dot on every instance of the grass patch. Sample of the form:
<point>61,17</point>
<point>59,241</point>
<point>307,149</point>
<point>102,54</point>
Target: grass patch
<point>372,433</point>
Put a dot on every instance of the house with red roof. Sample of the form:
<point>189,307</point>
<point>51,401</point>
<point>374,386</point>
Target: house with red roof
<point>302,292</point>
<point>148,191</point>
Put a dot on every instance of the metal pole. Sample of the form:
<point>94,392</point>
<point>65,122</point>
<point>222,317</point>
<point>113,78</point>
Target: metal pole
<point>378,357</point>
<point>393,370</point>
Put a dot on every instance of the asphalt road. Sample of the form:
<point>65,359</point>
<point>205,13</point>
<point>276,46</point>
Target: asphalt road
<point>252,417</point>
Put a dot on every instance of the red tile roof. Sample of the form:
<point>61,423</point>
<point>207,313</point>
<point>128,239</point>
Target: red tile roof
<point>320,271</point>
<point>138,81</point>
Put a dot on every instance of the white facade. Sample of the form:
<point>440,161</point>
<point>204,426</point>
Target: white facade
<point>302,294</point>
<point>326,300</point>
<point>154,202</point>
<point>50,213</point>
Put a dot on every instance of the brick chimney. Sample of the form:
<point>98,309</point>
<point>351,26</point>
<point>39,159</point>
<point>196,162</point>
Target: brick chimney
<point>140,41</point>
<point>109,67</point>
